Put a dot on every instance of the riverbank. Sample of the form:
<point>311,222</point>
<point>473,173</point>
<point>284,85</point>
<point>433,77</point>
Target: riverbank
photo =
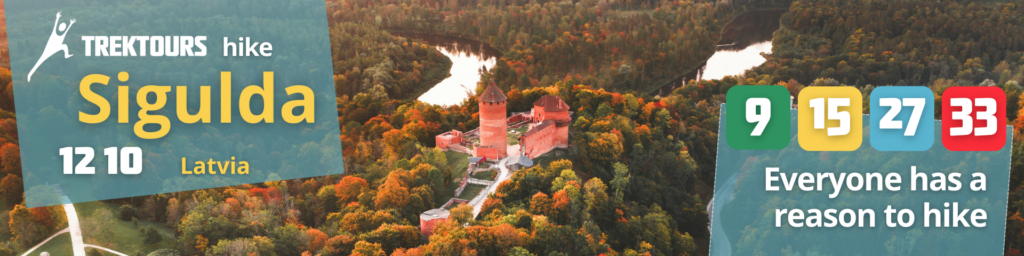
<point>467,57</point>
<point>366,56</point>
<point>665,86</point>
<point>431,78</point>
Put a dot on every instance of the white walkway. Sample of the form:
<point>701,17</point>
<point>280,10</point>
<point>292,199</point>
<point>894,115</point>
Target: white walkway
<point>44,241</point>
<point>77,244</point>
<point>479,182</point>
<point>106,249</point>
<point>503,175</point>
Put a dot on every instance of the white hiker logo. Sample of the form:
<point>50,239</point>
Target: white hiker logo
<point>55,44</point>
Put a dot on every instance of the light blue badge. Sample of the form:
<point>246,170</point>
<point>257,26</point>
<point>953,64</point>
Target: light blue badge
<point>902,118</point>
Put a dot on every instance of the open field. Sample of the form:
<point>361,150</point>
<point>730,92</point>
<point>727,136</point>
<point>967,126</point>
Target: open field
<point>471,191</point>
<point>127,237</point>
<point>486,175</point>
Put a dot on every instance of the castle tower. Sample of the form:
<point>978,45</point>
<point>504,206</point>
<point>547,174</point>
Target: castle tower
<point>493,125</point>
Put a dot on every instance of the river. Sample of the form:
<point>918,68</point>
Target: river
<point>743,40</point>
<point>468,58</point>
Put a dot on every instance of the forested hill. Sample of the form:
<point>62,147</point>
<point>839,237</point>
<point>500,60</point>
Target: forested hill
<point>896,42</point>
<point>369,59</point>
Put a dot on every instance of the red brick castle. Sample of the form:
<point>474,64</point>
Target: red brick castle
<point>547,128</point>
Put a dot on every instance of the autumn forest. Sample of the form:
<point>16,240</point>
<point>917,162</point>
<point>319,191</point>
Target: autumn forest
<point>639,175</point>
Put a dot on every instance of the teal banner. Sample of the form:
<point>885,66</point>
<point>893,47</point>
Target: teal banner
<point>128,98</point>
<point>861,202</point>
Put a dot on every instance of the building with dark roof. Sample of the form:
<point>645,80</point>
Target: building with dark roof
<point>517,162</point>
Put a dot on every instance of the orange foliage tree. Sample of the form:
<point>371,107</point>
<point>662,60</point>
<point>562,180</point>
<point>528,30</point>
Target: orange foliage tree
<point>349,188</point>
<point>391,194</point>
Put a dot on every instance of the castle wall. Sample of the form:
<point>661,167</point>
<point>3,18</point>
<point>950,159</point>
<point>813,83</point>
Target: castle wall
<point>562,135</point>
<point>490,152</point>
<point>517,118</point>
<point>444,140</point>
<point>540,140</point>
<point>427,226</point>
<point>442,143</point>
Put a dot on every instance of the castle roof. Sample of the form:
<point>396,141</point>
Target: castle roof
<point>521,160</point>
<point>551,104</point>
<point>492,94</point>
<point>439,213</point>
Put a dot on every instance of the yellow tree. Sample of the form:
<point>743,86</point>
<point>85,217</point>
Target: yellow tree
<point>395,141</point>
<point>391,194</point>
<point>540,204</point>
<point>25,230</point>
<point>363,248</point>
<point>604,148</point>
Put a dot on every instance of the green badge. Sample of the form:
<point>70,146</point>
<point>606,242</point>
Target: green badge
<point>757,117</point>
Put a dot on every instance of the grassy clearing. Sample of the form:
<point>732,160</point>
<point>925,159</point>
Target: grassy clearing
<point>60,245</point>
<point>127,238</point>
<point>513,138</point>
<point>483,175</point>
<point>554,155</point>
<point>522,129</point>
<point>471,191</point>
<point>449,191</point>
<point>458,163</point>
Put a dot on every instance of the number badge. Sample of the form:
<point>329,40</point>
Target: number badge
<point>757,117</point>
<point>973,118</point>
<point>829,118</point>
<point>902,118</point>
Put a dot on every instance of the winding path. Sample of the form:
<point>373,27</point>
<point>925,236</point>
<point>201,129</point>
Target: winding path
<point>504,174</point>
<point>44,241</point>
<point>106,249</point>
<point>77,244</point>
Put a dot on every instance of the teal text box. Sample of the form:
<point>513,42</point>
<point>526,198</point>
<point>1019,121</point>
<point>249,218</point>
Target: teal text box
<point>49,104</point>
<point>743,213</point>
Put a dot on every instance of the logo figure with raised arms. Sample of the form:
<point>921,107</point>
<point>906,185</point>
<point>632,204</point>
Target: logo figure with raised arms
<point>55,44</point>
